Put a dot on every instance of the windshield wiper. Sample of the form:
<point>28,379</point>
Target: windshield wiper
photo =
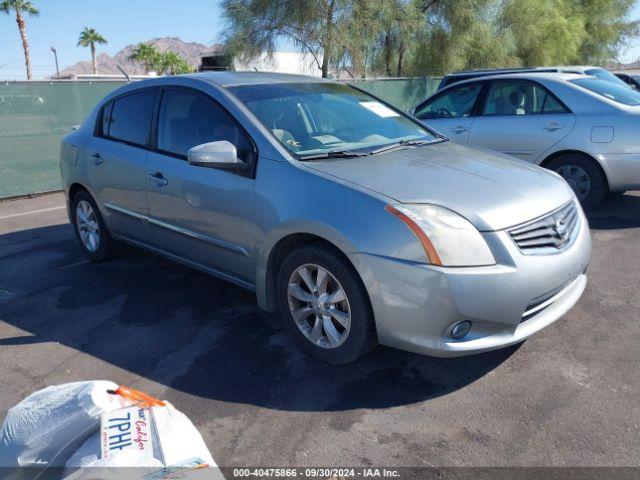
<point>333,154</point>
<point>405,143</point>
<point>386,148</point>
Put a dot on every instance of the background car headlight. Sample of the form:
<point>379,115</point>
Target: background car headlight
<point>448,239</point>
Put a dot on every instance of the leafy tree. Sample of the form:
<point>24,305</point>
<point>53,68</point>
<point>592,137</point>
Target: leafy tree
<point>397,21</point>
<point>21,8</point>
<point>561,32</point>
<point>466,34</point>
<point>462,34</point>
<point>88,38</point>
<point>356,55</point>
<point>554,37</point>
<point>423,37</point>
<point>607,27</point>
<point>318,27</point>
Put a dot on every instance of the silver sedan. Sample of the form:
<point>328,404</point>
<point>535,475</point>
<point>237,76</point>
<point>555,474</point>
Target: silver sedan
<point>585,128</point>
<point>357,222</point>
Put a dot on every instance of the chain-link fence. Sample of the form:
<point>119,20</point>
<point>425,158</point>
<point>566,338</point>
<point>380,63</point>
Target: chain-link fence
<point>34,116</point>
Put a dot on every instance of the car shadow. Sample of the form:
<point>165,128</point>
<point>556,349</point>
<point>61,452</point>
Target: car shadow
<point>617,211</point>
<point>198,334</point>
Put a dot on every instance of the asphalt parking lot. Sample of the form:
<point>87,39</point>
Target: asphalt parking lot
<point>567,397</point>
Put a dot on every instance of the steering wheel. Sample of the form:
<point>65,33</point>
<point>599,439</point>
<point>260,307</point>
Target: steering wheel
<point>443,112</point>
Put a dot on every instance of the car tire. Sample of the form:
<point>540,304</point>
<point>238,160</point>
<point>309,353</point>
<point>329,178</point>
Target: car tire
<point>90,229</point>
<point>334,339</point>
<point>583,176</point>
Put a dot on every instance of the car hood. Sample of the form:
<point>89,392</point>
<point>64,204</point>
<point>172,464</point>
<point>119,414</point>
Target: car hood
<point>491,190</point>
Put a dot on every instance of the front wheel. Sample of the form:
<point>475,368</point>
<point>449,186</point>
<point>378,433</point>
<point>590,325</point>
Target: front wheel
<point>583,176</point>
<point>325,305</point>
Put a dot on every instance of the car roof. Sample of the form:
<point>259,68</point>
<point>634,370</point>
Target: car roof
<point>577,67</point>
<point>522,76</point>
<point>217,79</point>
<point>230,78</point>
<point>533,75</point>
<point>488,71</point>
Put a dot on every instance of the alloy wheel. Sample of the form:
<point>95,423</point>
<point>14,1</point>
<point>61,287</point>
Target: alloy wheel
<point>319,306</point>
<point>88,227</point>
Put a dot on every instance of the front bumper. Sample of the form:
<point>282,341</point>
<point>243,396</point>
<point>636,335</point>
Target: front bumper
<point>416,305</point>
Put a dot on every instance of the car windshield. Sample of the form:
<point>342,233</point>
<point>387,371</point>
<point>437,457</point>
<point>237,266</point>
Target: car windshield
<point>618,93</point>
<point>316,118</point>
<point>603,74</point>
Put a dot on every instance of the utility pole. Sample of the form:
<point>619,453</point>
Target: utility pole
<point>55,54</point>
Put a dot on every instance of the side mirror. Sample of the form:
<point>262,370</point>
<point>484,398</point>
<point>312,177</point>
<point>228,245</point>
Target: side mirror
<point>222,154</point>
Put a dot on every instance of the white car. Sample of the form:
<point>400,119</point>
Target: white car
<point>583,127</point>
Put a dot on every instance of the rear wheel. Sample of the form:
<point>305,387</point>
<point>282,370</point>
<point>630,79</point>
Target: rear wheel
<point>325,305</point>
<point>90,229</point>
<point>583,176</point>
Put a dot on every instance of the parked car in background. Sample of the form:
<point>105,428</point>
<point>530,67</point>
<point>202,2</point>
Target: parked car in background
<point>579,70</point>
<point>585,128</point>
<point>354,219</point>
<point>631,79</point>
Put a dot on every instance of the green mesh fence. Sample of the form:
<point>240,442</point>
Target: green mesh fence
<point>404,93</point>
<point>34,116</point>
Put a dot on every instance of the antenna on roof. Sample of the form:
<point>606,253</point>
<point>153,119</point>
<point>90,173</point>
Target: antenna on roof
<point>125,74</point>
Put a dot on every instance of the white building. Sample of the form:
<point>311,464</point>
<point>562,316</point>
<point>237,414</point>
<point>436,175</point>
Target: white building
<point>302,63</point>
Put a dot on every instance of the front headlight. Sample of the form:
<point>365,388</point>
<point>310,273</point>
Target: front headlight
<point>448,239</point>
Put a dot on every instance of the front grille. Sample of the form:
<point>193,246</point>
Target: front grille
<point>548,234</point>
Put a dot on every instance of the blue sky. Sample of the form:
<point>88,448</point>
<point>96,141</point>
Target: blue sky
<point>632,52</point>
<point>122,22</point>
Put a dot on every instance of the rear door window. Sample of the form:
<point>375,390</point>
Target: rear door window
<point>128,118</point>
<point>521,98</point>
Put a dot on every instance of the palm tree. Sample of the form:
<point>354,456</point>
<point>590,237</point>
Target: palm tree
<point>21,7</point>
<point>174,64</point>
<point>148,55</point>
<point>162,63</point>
<point>88,38</point>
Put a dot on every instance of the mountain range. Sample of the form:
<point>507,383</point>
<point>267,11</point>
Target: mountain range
<point>108,65</point>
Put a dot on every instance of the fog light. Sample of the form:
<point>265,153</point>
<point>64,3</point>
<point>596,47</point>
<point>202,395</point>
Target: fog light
<point>459,330</point>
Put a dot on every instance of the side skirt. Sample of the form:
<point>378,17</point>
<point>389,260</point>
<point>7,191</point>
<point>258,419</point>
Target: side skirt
<point>189,263</point>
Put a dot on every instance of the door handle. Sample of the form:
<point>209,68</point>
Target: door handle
<point>553,126</point>
<point>459,129</point>
<point>97,158</point>
<point>158,178</point>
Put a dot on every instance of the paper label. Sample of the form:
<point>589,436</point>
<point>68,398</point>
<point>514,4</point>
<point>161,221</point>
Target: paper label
<point>379,109</point>
<point>126,429</point>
